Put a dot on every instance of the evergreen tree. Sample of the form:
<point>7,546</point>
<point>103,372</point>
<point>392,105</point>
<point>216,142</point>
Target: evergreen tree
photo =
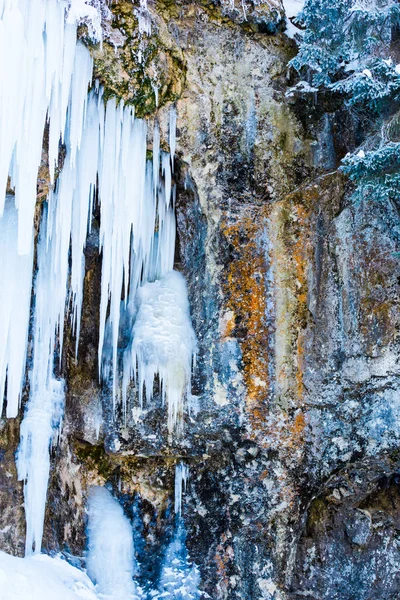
<point>345,48</point>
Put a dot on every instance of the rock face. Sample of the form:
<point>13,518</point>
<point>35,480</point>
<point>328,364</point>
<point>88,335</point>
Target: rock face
<point>293,449</point>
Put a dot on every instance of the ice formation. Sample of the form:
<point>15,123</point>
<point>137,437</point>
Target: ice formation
<point>46,74</point>
<point>163,343</point>
<point>45,406</point>
<point>110,558</point>
<point>40,78</point>
<point>181,478</point>
<point>179,579</point>
<point>64,223</point>
<point>15,300</point>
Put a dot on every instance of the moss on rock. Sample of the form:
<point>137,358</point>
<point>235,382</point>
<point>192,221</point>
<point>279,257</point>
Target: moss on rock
<point>144,71</point>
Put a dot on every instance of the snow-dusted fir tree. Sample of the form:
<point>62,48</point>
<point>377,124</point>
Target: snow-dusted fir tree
<point>346,48</point>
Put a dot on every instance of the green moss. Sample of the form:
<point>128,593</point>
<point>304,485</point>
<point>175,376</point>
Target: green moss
<point>95,457</point>
<point>134,70</point>
<point>317,513</point>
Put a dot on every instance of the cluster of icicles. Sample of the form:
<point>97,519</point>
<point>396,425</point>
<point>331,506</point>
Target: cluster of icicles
<point>46,74</point>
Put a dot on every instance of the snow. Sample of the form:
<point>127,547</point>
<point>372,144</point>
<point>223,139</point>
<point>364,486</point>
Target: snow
<point>292,9</point>
<point>302,87</point>
<point>80,11</point>
<point>41,577</point>
<point>367,73</point>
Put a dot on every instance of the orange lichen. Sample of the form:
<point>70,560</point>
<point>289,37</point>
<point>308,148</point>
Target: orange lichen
<point>223,556</point>
<point>245,295</point>
<point>273,246</point>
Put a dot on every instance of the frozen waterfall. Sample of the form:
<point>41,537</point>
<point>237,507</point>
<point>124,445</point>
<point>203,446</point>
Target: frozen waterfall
<point>95,152</point>
<point>179,579</point>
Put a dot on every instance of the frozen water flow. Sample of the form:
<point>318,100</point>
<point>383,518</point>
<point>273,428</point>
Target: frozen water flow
<point>181,478</point>
<point>110,557</point>
<point>164,344</point>
<point>45,75</point>
<point>45,407</point>
<point>179,578</point>
<point>15,300</point>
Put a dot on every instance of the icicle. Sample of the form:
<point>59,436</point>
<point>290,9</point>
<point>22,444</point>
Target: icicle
<point>172,134</point>
<point>82,205</point>
<point>37,50</point>
<point>166,171</point>
<point>181,478</point>
<point>144,18</point>
<point>44,409</point>
<point>123,212</point>
<point>156,155</point>
<point>110,558</point>
<point>15,299</point>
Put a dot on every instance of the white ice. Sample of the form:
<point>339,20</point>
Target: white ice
<point>15,300</point>
<point>37,51</point>
<point>44,409</point>
<point>110,557</point>
<point>164,344</point>
<point>181,478</point>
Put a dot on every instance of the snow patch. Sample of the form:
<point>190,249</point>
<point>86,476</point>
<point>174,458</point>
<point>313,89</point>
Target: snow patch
<point>42,578</point>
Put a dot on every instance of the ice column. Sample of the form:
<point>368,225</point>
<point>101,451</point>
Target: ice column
<point>15,300</point>
<point>110,558</point>
<point>64,225</point>
<point>181,478</point>
<point>45,407</point>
